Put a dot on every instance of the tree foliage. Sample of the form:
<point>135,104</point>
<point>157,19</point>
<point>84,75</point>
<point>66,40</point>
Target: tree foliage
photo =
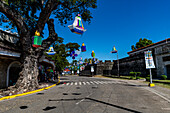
<point>28,16</point>
<point>62,52</point>
<point>142,43</point>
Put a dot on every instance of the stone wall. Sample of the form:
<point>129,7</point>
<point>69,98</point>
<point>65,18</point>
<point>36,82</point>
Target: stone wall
<point>136,62</point>
<point>162,52</point>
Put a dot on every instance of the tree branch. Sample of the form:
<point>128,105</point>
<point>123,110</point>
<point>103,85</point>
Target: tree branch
<point>45,14</point>
<point>15,17</point>
<point>51,39</point>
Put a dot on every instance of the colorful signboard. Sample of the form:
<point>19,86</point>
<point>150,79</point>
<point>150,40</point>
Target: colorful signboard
<point>149,60</point>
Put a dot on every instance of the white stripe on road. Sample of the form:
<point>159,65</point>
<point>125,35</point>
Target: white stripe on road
<point>79,83</point>
<point>84,83</point>
<point>75,83</point>
<point>71,83</point>
<point>100,82</point>
<point>91,82</point>
<point>83,99</point>
<point>67,84</point>
<point>96,82</point>
<point>157,93</point>
<point>88,83</point>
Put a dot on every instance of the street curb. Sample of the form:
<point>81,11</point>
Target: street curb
<point>27,93</point>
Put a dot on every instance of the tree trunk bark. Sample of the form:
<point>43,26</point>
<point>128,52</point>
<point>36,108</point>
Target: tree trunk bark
<point>28,76</point>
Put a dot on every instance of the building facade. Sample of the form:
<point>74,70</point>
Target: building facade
<point>136,61</point>
<point>10,64</point>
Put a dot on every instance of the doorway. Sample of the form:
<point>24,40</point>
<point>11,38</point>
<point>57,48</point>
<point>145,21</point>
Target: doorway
<point>13,73</point>
<point>168,71</point>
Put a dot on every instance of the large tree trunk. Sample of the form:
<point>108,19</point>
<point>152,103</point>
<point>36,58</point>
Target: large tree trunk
<point>28,79</point>
<point>28,76</point>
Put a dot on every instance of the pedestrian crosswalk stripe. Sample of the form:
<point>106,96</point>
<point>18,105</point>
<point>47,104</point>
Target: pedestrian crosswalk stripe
<point>96,82</point>
<point>100,82</point>
<point>93,82</point>
<point>88,83</point>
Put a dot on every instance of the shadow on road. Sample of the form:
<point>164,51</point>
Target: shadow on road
<point>135,85</point>
<point>120,107</point>
<point>40,93</point>
<point>49,108</point>
<point>127,109</point>
<point>23,107</point>
<point>66,99</point>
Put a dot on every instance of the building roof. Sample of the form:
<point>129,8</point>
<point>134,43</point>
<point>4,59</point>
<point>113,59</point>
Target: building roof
<point>166,40</point>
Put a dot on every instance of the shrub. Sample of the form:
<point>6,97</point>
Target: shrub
<point>163,77</point>
<point>132,77</point>
<point>137,77</point>
<point>132,73</point>
<point>138,73</point>
<point>147,78</point>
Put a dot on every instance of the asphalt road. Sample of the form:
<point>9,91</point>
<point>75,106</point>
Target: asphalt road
<point>89,95</point>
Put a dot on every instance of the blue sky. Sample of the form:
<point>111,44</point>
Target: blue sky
<point>121,23</point>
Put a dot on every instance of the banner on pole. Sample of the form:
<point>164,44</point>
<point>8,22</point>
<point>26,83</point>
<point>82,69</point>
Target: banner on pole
<point>149,60</point>
<point>92,68</point>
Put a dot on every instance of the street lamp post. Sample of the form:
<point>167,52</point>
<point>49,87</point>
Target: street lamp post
<point>118,66</point>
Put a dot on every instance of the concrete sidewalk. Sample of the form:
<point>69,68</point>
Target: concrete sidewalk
<point>43,85</point>
<point>160,91</point>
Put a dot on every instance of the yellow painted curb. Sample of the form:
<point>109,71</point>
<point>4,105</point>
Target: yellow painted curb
<point>17,95</point>
<point>151,85</point>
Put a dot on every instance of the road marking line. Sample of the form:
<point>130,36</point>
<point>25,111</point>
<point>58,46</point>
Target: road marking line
<point>166,108</point>
<point>71,83</point>
<point>88,83</point>
<point>91,82</point>
<point>31,92</point>
<point>79,83</point>
<point>96,82</point>
<point>105,82</point>
<point>83,99</point>
<point>80,101</point>
<point>151,90</point>
<point>75,83</point>
<point>67,84</point>
<point>84,83</point>
<point>101,82</point>
<point>158,94</point>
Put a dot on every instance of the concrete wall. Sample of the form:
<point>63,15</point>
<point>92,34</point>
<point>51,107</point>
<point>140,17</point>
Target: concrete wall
<point>136,63</point>
<point>162,52</point>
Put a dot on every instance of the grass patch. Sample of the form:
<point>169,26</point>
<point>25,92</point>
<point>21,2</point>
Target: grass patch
<point>116,77</point>
<point>160,85</point>
<point>162,80</point>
